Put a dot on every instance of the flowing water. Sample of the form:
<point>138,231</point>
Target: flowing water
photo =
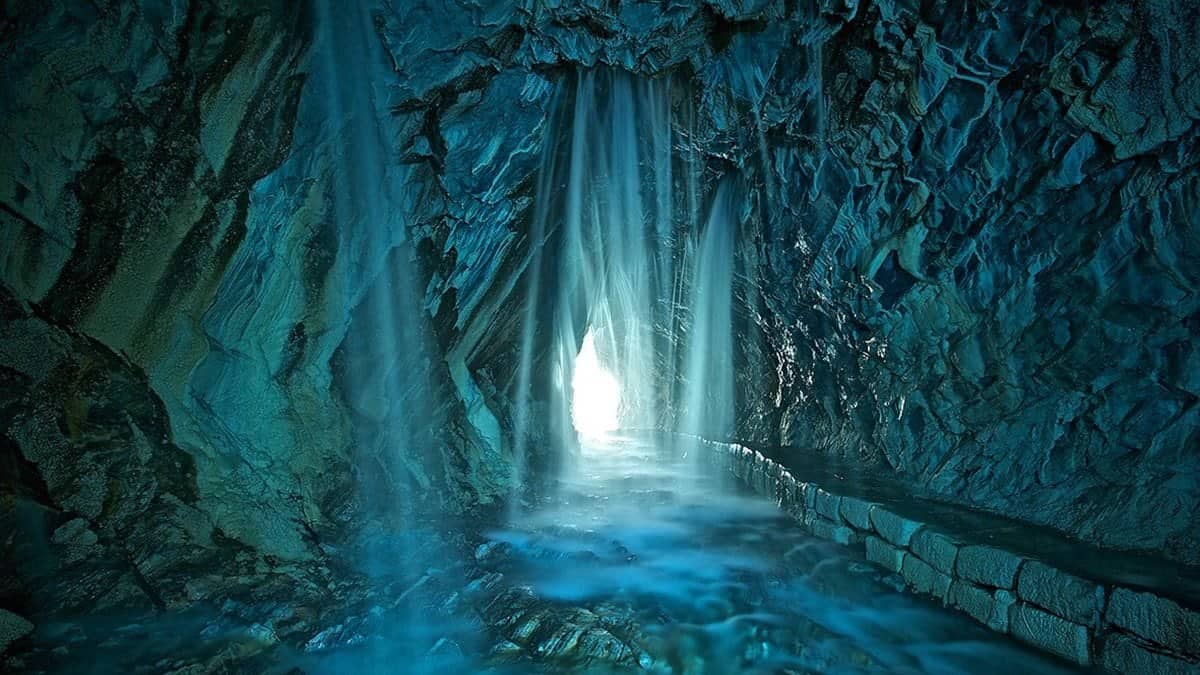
<point>683,570</point>
<point>640,557</point>
<point>713,580</point>
<point>707,407</point>
<point>607,237</point>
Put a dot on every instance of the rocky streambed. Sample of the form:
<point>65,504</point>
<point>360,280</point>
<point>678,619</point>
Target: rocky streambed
<point>639,559</point>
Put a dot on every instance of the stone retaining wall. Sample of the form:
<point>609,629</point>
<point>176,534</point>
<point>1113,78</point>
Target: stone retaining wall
<point>1090,623</point>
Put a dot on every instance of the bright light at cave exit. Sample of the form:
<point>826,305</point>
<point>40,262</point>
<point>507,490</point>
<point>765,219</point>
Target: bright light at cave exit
<point>595,396</point>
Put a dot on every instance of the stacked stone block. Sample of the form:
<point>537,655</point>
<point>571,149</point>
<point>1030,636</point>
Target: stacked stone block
<point>1118,629</point>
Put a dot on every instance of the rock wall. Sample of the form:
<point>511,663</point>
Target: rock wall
<point>981,272</point>
<point>131,137</point>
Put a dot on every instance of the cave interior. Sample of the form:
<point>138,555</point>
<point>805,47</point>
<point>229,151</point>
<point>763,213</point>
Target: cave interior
<point>667,336</point>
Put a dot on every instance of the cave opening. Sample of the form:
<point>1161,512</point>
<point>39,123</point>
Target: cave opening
<point>641,250</point>
<point>595,393</point>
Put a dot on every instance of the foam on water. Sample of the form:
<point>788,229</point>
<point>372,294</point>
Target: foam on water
<point>727,581</point>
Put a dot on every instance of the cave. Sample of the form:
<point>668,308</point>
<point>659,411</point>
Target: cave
<point>665,336</point>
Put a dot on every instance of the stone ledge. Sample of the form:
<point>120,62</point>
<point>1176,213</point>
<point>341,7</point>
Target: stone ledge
<point>827,529</point>
<point>988,607</point>
<point>828,505</point>
<point>884,554</point>
<point>923,578</point>
<point>1063,594</point>
<point>1051,633</point>
<point>1125,654</point>
<point>1158,620</point>
<point>857,513</point>
<point>1032,600</point>
<point>935,548</point>
<point>897,530</point>
<point>989,566</point>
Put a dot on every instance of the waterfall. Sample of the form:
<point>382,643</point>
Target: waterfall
<point>385,374</point>
<point>386,379</point>
<point>522,417</point>
<point>617,233</point>
<point>620,256</point>
<point>613,199</point>
<point>708,399</point>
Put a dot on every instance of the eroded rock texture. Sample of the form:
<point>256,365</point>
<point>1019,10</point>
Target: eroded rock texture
<point>984,276</point>
<point>264,235</point>
<point>131,137</point>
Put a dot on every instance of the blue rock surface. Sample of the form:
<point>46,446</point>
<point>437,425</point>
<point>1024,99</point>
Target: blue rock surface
<point>969,256</point>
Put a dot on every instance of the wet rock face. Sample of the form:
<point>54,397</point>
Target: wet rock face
<point>101,507</point>
<point>983,273</point>
<point>968,254</point>
<point>132,134</point>
<point>210,215</point>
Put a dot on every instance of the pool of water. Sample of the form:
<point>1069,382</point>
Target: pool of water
<point>720,581</point>
<point>640,558</point>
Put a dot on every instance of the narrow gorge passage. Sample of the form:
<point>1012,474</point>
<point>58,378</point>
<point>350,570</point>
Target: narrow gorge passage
<point>690,337</point>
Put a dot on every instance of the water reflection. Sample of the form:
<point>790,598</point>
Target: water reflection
<point>640,561</point>
<point>722,582</point>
